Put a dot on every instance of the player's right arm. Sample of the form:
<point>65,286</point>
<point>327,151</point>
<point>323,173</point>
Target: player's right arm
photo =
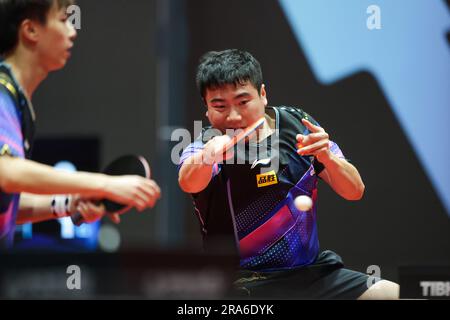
<point>20,175</point>
<point>194,175</point>
<point>196,171</point>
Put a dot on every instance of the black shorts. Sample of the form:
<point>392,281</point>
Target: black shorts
<point>326,278</point>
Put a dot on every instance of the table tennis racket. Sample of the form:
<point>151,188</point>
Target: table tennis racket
<point>242,134</point>
<point>124,165</point>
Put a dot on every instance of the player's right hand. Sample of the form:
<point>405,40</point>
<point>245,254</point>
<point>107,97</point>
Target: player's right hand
<point>134,191</point>
<point>213,150</point>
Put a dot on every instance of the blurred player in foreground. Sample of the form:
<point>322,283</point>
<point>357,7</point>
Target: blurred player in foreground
<point>35,39</point>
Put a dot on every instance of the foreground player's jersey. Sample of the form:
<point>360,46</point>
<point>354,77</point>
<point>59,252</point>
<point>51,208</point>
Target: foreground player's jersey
<point>16,138</point>
<point>254,201</point>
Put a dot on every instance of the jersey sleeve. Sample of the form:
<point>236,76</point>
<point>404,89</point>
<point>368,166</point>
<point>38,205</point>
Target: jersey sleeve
<point>334,148</point>
<point>192,149</point>
<point>11,139</point>
<point>10,144</point>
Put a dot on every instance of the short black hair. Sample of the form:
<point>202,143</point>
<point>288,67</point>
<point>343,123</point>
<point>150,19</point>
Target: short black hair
<point>232,66</point>
<point>13,12</point>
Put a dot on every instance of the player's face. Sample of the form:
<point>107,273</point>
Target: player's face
<point>55,39</point>
<point>235,107</point>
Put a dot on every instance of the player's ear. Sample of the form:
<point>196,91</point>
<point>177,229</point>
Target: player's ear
<point>29,31</point>
<point>206,114</point>
<point>263,94</point>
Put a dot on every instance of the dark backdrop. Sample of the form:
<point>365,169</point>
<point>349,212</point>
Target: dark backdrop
<point>131,80</point>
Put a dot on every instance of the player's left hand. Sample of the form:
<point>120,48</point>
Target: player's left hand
<point>90,210</point>
<point>315,144</point>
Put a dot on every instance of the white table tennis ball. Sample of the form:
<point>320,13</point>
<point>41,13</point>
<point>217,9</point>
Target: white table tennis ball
<point>303,203</point>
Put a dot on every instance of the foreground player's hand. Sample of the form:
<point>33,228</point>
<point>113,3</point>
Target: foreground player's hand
<point>315,144</point>
<point>213,151</point>
<point>133,191</point>
<point>91,210</point>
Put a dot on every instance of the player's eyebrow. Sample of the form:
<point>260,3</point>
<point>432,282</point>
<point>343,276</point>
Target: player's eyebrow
<point>239,96</point>
<point>216,100</point>
<point>242,95</point>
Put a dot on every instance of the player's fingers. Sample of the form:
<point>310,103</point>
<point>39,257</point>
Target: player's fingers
<point>219,153</point>
<point>311,127</point>
<point>90,211</point>
<point>95,209</point>
<point>83,210</point>
<point>150,191</point>
<point>155,187</point>
<point>223,140</point>
<point>114,217</point>
<point>221,146</point>
<point>154,196</point>
<point>148,195</point>
<point>311,148</point>
<point>308,150</point>
<point>228,154</point>
<point>148,199</point>
<point>315,153</point>
<point>312,138</point>
<point>76,198</point>
<point>134,197</point>
<point>208,155</point>
<point>74,203</point>
<point>299,138</point>
<point>139,201</point>
<point>139,205</point>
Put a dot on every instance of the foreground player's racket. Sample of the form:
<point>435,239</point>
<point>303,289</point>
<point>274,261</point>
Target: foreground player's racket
<point>244,134</point>
<point>124,165</point>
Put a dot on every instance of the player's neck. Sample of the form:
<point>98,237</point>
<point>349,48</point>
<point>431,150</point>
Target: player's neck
<point>27,71</point>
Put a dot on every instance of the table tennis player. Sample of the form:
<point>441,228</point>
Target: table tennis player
<point>250,205</point>
<point>35,39</point>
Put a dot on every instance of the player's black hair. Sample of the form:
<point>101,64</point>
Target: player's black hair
<point>13,12</point>
<point>232,66</point>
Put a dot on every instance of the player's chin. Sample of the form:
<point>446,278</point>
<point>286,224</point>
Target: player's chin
<point>57,65</point>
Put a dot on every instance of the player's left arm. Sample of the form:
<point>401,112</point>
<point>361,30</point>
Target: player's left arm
<point>341,175</point>
<point>34,208</point>
<point>37,208</point>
